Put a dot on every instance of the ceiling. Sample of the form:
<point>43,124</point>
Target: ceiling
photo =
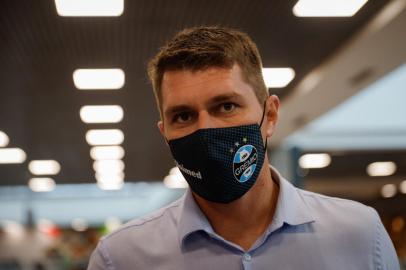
<point>39,104</point>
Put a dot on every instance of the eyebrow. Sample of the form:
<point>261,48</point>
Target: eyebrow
<point>225,97</point>
<point>217,99</point>
<point>176,109</point>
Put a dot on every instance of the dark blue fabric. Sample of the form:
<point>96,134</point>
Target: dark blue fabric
<point>220,164</point>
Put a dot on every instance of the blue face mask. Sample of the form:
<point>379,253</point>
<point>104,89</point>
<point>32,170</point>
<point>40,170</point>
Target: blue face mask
<point>220,164</point>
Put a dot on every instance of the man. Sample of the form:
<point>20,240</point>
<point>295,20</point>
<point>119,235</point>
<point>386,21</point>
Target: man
<point>239,213</point>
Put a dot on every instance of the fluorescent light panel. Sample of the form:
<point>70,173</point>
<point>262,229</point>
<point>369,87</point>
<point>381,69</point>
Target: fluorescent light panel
<point>109,174</point>
<point>4,140</point>
<point>277,77</point>
<point>12,155</point>
<point>327,8</point>
<point>402,187</point>
<point>95,79</point>
<point>101,114</point>
<point>117,176</point>
<point>44,184</point>
<point>104,137</point>
<point>107,152</point>
<point>110,8</point>
<point>314,161</point>
<point>384,168</point>
<point>44,167</point>
<point>110,185</point>
<point>113,166</point>
<point>388,190</point>
<point>175,179</point>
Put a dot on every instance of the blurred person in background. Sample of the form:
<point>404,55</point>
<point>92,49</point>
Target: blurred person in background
<point>239,212</point>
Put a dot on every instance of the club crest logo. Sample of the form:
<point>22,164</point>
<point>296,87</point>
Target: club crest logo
<point>245,162</point>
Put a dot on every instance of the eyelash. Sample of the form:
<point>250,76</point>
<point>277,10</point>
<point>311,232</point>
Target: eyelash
<point>178,116</point>
<point>217,108</point>
<point>221,106</point>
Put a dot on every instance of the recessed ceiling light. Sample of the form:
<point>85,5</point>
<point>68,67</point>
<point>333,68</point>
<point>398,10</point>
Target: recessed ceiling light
<point>388,190</point>
<point>402,187</point>
<point>108,166</point>
<point>44,184</point>
<point>44,167</point>
<point>277,77</point>
<point>104,137</point>
<point>327,8</point>
<point>111,8</point>
<point>384,168</point>
<point>4,140</point>
<point>107,152</point>
<point>96,79</point>
<point>314,161</point>
<point>12,155</point>
<point>101,114</point>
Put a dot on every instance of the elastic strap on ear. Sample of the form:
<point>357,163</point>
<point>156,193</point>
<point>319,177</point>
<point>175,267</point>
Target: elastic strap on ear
<point>262,120</point>
<point>263,114</point>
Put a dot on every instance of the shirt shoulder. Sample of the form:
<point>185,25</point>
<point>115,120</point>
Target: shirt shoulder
<point>352,227</point>
<point>150,222</point>
<point>342,212</point>
<point>139,241</point>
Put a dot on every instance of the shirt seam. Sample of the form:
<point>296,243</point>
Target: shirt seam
<point>311,194</point>
<point>106,257</point>
<point>142,221</point>
<point>377,244</point>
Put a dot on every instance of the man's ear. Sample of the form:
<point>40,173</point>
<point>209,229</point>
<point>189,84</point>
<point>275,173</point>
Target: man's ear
<point>161,128</point>
<point>272,114</point>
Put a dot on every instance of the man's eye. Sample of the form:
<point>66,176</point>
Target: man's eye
<point>227,107</point>
<point>182,117</point>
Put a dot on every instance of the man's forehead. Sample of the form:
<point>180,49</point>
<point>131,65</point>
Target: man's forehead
<point>185,78</point>
<point>183,104</point>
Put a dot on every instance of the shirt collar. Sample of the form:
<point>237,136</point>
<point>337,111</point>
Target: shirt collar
<point>191,218</point>
<point>291,209</point>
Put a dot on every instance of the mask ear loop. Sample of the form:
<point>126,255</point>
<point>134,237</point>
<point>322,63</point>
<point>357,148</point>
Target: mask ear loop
<point>260,125</point>
<point>263,114</point>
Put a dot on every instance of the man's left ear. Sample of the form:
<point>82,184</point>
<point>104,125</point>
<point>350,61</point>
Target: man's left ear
<point>161,128</point>
<point>271,114</point>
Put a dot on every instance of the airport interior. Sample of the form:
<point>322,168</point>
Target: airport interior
<point>80,151</point>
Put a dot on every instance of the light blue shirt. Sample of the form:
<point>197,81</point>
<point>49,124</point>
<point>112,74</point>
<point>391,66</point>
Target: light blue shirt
<point>309,231</point>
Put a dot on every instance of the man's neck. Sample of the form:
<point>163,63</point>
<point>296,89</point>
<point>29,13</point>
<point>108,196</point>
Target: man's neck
<point>243,221</point>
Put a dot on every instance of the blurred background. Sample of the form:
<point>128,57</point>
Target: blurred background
<point>80,153</point>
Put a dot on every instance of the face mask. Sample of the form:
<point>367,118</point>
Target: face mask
<point>220,164</point>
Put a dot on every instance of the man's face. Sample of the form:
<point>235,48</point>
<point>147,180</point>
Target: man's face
<point>212,98</point>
